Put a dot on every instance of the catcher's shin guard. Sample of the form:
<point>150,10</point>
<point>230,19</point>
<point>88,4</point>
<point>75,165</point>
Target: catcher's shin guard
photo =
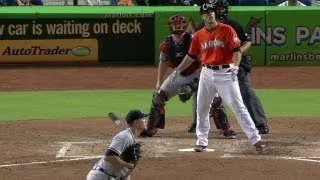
<point>157,110</point>
<point>218,112</point>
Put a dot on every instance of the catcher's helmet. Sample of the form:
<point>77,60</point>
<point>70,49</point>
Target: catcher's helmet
<point>177,24</point>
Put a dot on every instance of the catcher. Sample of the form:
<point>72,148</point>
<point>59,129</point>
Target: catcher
<point>173,49</point>
<point>122,156</point>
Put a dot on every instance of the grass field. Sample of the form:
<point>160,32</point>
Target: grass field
<point>86,104</point>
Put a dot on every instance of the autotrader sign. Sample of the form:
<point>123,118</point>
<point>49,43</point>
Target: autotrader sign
<point>48,50</point>
<point>113,39</point>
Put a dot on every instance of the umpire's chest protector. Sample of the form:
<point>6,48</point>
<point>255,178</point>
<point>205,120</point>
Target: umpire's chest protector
<point>176,52</point>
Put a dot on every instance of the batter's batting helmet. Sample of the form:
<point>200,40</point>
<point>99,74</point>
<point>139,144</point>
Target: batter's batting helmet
<point>177,24</point>
<point>207,7</point>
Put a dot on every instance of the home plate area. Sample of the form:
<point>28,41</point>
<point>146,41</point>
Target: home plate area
<point>279,148</point>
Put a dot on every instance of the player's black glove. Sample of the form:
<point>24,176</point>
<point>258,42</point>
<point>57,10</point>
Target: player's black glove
<point>185,92</point>
<point>132,153</point>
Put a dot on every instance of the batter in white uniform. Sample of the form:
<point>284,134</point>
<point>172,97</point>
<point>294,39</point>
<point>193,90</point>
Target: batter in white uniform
<point>218,47</point>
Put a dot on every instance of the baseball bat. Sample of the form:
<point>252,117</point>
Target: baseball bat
<point>117,121</point>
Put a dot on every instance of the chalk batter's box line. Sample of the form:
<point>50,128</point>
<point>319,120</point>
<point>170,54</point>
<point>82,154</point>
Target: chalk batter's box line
<point>67,145</point>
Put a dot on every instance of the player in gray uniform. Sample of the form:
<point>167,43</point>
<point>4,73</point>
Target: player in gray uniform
<point>173,49</point>
<point>111,166</point>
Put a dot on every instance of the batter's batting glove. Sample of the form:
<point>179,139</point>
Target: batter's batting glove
<point>234,72</point>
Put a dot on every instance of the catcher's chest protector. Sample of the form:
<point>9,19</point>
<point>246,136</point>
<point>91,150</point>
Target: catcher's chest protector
<point>177,52</point>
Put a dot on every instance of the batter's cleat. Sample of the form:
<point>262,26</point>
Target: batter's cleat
<point>260,147</point>
<point>200,148</point>
<point>228,134</point>
<point>192,128</point>
<point>263,129</point>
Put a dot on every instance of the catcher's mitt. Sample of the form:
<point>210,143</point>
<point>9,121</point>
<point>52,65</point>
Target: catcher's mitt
<point>132,153</point>
<point>185,92</point>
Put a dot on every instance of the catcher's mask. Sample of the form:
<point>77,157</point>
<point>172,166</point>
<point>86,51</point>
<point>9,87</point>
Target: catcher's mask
<point>221,10</point>
<point>177,24</point>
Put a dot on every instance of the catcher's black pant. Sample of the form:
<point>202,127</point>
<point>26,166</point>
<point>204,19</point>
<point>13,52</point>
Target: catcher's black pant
<point>250,98</point>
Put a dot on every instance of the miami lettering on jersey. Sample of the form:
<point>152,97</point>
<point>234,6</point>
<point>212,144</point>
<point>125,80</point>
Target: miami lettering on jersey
<point>215,47</point>
<point>214,43</point>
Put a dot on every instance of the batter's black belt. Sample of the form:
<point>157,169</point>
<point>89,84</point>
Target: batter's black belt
<point>216,67</point>
<point>103,170</point>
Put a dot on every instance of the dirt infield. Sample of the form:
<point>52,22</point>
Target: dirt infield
<point>61,150</point>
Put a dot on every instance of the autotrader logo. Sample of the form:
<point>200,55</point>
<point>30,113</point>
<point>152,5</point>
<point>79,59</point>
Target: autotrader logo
<point>80,51</point>
<point>49,50</point>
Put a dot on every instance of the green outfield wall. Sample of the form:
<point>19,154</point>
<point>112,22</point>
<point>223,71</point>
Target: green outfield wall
<point>280,35</point>
<point>131,35</point>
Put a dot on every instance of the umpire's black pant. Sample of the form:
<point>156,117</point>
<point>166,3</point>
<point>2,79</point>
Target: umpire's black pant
<point>250,98</point>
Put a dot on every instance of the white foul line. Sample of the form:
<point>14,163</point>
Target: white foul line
<point>63,150</point>
<point>302,159</point>
<point>272,157</point>
<point>53,161</point>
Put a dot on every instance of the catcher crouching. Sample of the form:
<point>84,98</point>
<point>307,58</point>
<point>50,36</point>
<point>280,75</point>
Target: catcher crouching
<point>172,51</point>
<point>185,84</point>
<point>122,155</point>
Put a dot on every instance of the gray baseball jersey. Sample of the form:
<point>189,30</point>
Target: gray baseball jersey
<point>173,53</point>
<point>119,143</point>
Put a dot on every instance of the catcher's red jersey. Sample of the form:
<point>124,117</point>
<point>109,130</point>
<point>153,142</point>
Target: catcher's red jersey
<point>215,47</point>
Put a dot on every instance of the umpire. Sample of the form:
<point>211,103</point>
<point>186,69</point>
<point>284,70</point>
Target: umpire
<point>116,164</point>
<point>249,97</point>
